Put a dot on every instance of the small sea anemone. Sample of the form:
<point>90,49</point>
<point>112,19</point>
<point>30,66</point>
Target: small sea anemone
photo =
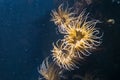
<point>82,35</point>
<point>62,16</point>
<point>49,71</point>
<point>64,56</point>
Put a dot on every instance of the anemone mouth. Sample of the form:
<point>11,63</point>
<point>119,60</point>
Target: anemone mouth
<point>78,36</point>
<point>62,15</point>
<point>62,51</point>
<point>82,39</point>
<point>64,56</point>
<point>63,19</point>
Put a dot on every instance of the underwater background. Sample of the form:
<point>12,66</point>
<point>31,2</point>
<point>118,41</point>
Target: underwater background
<point>27,34</point>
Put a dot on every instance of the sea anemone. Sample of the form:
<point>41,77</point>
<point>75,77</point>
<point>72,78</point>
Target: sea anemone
<point>49,70</point>
<point>82,35</point>
<point>63,16</point>
<point>64,56</point>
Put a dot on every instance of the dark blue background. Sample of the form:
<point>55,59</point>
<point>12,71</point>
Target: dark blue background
<point>26,36</point>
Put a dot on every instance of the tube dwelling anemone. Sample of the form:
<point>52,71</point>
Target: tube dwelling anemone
<point>63,55</point>
<point>82,35</point>
<point>49,71</point>
<point>63,16</point>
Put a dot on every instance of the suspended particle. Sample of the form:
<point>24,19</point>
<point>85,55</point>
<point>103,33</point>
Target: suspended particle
<point>111,21</point>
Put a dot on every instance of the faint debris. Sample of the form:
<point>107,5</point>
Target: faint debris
<point>88,2</point>
<point>116,1</point>
<point>64,77</point>
<point>79,5</point>
<point>113,0</point>
<point>87,76</point>
<point>94,75</point>
<point>77,77</point>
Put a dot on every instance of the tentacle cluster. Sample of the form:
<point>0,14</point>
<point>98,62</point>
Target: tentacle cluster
<point>64,56</point>
<point>63,16</point>
<point>80,36</point>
